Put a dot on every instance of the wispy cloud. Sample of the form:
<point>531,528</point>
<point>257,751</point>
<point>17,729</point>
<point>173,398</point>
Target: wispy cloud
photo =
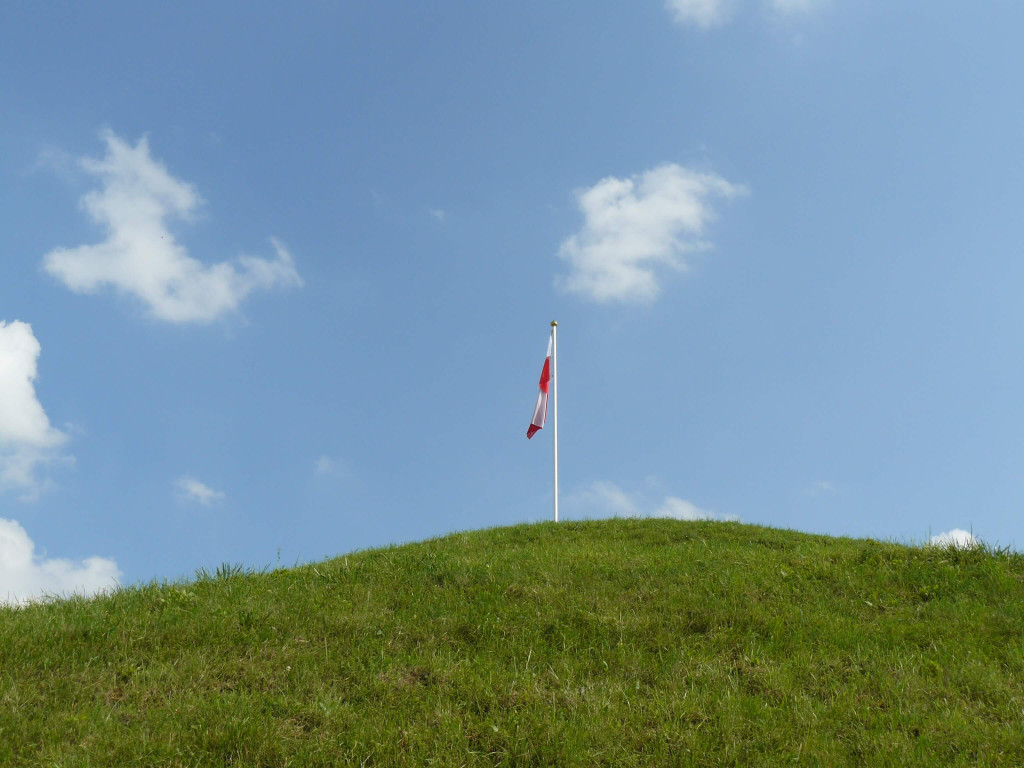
<point>27,440</point>
<point>957,537</point>
<point>605,499</point>
<point>192,490</point>
<point>705,14</point>
<point>794,7</point>
<point>821,488</point>
<point>438,213</point>
<point>24,576</point>
<point>140,257</point>
<point>634,227</point>
<point>700,13</point>
<point>332,466</point>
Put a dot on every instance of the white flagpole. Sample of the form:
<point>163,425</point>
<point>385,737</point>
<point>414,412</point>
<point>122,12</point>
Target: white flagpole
<point>554,402</point>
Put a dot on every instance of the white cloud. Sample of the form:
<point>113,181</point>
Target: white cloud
<point>191,489</point>
<point>27,440</point>
<point>24,576</point>
<point>438,213</point>
<point>634,226</point>
<point>604,499</point>
<point>680,509</point>
<point>700,13</point>
<point>140,257</point>
<point>957,537</point>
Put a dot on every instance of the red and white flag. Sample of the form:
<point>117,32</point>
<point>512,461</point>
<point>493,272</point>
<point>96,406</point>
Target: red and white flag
<point>540,411</point>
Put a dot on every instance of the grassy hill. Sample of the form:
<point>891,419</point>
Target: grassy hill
<point>613,643</point>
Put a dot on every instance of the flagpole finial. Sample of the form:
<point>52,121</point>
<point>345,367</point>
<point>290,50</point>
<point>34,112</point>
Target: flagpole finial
<point>554,323</point>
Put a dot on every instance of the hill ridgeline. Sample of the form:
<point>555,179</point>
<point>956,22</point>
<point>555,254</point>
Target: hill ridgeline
<point>606,643</point>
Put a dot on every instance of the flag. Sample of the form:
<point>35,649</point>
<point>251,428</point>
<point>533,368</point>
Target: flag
<point>540,411</point>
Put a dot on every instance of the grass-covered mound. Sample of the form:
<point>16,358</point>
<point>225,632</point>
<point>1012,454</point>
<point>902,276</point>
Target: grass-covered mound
<point>615,643</point>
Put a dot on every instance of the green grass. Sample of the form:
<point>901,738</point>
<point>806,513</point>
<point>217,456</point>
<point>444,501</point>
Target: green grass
<point>612,643</point>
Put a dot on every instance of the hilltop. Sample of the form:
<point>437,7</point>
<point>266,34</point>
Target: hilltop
<point>616,643</point>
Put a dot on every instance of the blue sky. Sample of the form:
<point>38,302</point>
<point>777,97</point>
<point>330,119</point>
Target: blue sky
<point>277,282</point>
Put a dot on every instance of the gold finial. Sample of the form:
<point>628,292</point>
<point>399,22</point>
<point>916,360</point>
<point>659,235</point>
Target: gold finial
<point>554,323</point>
